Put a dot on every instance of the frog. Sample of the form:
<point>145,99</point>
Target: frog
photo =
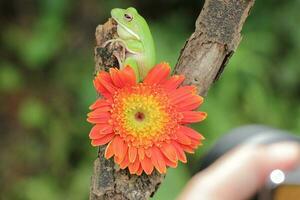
<point>134,35</point>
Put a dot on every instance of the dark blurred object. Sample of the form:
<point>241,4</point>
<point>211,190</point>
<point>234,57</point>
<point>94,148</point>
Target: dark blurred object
<point>280,185</point>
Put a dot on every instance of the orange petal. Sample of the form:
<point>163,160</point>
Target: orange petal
<point>128,76</point>
<point>99,119</point>
<point>179,95</point>
<point>100,130</point>
<point>141,153</point>
<point>191,88</point>
<point>182,138</point>
<point>101,109</point>
<point>139,171</point>
<point>124,152</point>
<point>195,143</point>
<point>109,152</point>
<point>191,103</point>
<point>109,87</point>
<point>133,167</point>
<point>159,73</point>
<point>98,112</point>
<point>101,89</point>
<point>170,152</point>
<point>193,116</point>
<point>99,103</point>
<point>103,140</point>
<point>191,133</point>
<point>132,152</point>
<point>173,82</point>
<point>125,162</point>
<point>170,163</point>
<point>148,152</point>
<point>120,148</point>
<point>104,84</point>
<point>117,160</point>
<point>116,77</point>
<point>187,148</point>
<point>180,153</point>
<point>147,165</point>
<point>158,160</point>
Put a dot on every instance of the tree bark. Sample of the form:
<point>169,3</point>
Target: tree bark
<point>202,61</point>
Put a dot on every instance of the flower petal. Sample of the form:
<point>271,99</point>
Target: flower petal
<point>98,112</point>
<point>116,77</point>
<point>180,153</point>
<point>104,84</point>
<point>195,143</point>
<point>141,153</point>
<point>99,103</point>
<point>109,87</point>
<point>173,82</point>
<point>147,165</point>
<point>100,130</point>
<point>128,76</point>
<point>187,148</point>
<point>125,163</point>
<point>170,152</point>
<point>132,153</point>
<point>109,152</point>
<point>180,93</point>
<point>170,163</point>
<point>182,138</point>
<point>103,140</point>
<point>191,103</point>
<point>120,148</point>
<point>133,167</point>
<point>158,160</point>
<point>139,171</point>
<point>193,116</point>
<point>158,73</point>
<point>191,133</point>
<point>99,119</point>
<point>101,89</point>
<point>148,152</point>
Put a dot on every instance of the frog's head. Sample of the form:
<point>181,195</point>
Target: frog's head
<point>130,23</point>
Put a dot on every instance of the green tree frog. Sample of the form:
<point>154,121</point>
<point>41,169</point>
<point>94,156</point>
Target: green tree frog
<point>135,36</point>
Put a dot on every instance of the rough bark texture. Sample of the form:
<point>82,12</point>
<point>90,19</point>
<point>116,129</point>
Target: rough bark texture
<point>202,60</point>
<point>216,37</point>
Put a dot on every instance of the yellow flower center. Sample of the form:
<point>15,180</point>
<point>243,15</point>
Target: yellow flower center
<point>142,115</point>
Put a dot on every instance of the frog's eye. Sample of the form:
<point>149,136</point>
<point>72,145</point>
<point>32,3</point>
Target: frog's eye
<point>128,17</point>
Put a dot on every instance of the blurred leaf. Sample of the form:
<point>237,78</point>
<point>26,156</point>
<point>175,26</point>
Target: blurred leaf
<point>173,183</point>
<point>32,113</point>
<point>39,188</point>
<point>10,78</point>
<point>80,183</point>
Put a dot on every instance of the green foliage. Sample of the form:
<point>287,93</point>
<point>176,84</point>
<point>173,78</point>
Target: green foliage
<point>173,183</point>
<point>32,113</point>
<point>10,78</point>
<point>46,69</point>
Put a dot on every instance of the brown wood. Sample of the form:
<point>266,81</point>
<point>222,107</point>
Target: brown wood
<point>217,35</point>
<point>202,61</point>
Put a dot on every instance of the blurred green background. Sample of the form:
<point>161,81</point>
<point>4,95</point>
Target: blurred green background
<point>46,67</point>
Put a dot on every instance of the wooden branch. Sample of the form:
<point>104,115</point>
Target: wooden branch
<point>217,35</point>
<point>202,60</point>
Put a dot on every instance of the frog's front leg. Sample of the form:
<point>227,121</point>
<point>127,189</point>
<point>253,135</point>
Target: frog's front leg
<point>129,48</point>
<point>120,55</point>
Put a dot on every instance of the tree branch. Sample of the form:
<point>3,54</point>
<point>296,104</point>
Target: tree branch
<point>217,35</point>
<point>202,61</point>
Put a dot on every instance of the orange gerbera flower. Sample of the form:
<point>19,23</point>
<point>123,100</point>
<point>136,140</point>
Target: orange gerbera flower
<point>144,124</point>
